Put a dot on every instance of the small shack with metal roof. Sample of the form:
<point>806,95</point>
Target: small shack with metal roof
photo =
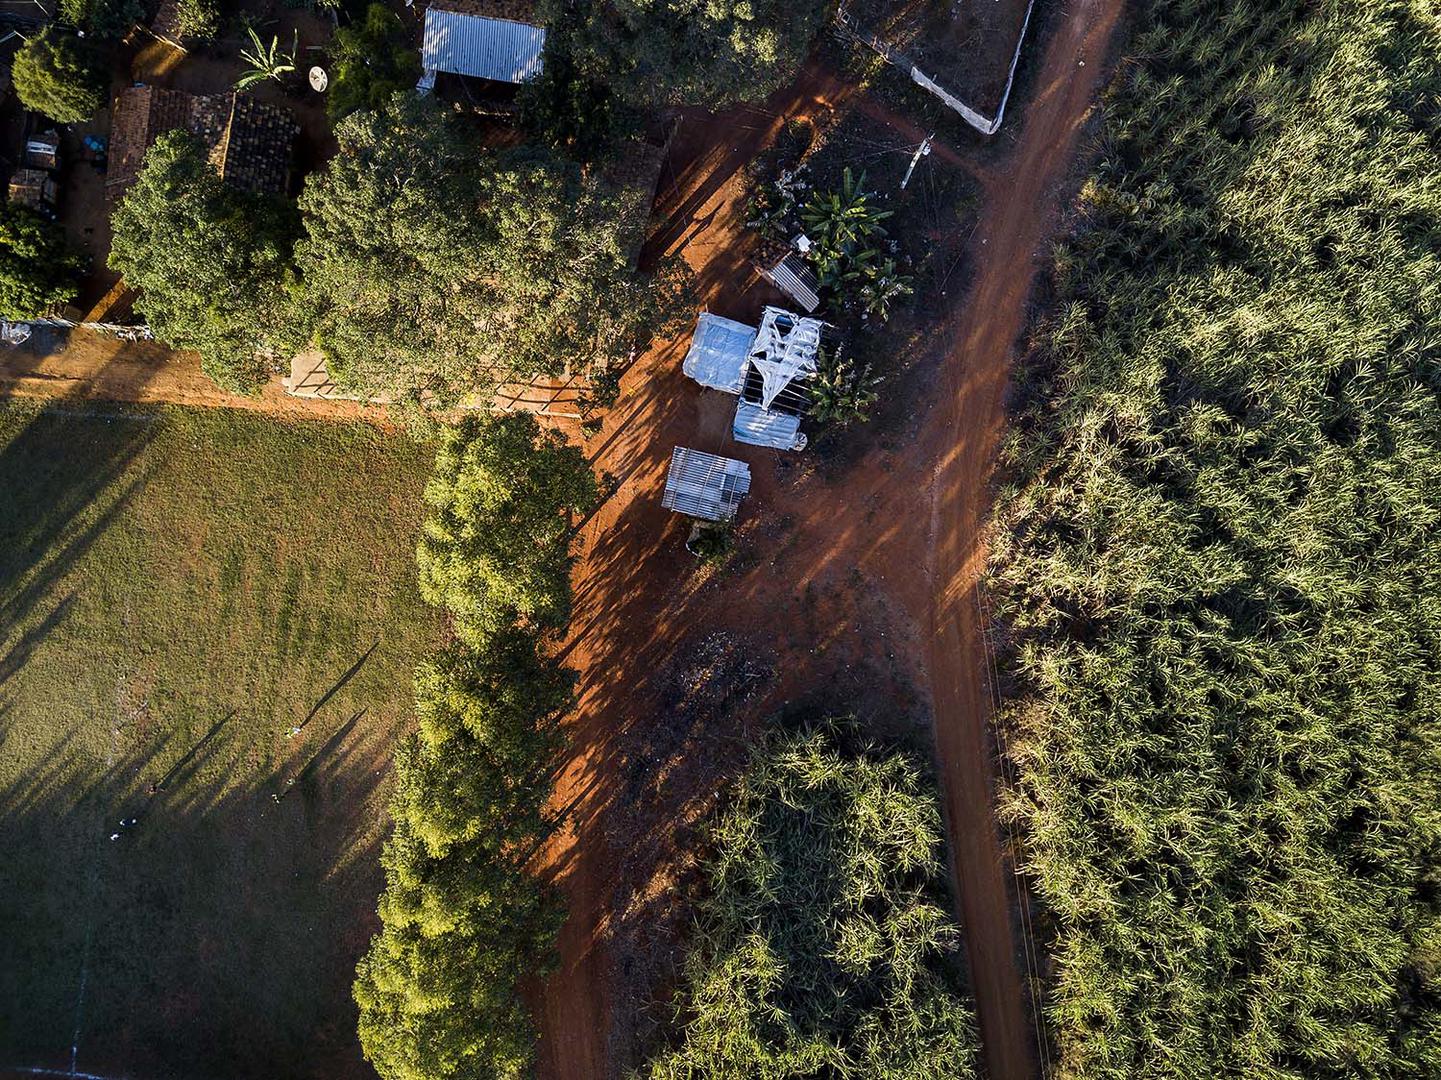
<point>705,486</point>
<point>479,47</point>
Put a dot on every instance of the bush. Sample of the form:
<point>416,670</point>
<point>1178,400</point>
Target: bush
<point>198,19</point>
<point>1217,557</point>
<point>39,272</point>
<point>372,60</point>
<point>841,393</point>
<point>821,947</point>
<point>56,74</point>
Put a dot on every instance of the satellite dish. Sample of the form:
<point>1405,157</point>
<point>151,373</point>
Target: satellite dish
<point>319,80</point>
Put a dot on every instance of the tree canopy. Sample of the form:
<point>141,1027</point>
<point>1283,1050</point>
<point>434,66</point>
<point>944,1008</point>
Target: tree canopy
<point>211,262</point>
<point>56,74</point>
<point>821,946</point>
<point>433,267</point>
<point>1218,562</point>
<point>659,53</point>
<point>494,547</point>
<point>462,921</point>
<point>372,60</point>
<point>39,271</point>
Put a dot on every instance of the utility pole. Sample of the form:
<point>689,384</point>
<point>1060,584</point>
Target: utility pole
<point>921,151</point>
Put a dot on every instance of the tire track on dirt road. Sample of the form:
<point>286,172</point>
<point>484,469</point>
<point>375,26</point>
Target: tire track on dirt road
<point>1022,208</point>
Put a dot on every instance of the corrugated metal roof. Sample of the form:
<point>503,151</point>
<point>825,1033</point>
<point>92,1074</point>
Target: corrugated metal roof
<point>705,485</point>
<point>717,356</point>
<point>761,427</point>
<point>792,277</point>
<point>481,47</point>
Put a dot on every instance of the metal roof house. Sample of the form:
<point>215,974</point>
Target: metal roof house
<point>705,486</point>
<point>766,367</point>
<point>478,46</point>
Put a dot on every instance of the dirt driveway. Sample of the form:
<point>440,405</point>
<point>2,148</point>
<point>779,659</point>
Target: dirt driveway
<point>858,585</point>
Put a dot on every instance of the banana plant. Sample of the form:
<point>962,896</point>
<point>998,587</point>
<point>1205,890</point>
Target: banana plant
<point>266,62</point>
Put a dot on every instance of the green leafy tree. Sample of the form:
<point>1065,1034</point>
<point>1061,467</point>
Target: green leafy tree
<point>39,271</point>
<point>658,53</point>
<point>433,267</point>
<point>373,60</point>
<point>495,545</point>
<point>57,74</point>
<point>568,109</point>
<point>211,263</point>
<point>462,921</point>
<point>821,946</point>
<point>107,19</point>
<point>198,19</point>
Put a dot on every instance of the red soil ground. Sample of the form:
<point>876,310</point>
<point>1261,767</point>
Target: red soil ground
<point>860,579</point>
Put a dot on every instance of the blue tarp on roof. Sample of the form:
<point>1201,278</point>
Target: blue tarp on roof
<point>762,427</point>
<point>481,47</point>
<point>719,353</point>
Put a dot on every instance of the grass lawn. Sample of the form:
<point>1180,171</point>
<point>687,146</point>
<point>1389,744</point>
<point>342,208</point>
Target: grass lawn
<point>178,589</point>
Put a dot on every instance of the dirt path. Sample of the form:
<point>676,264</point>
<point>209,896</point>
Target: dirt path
<point>86,366</point>
<point>1021,212</point>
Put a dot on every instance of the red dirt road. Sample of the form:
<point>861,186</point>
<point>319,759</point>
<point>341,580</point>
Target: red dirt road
<point>1021,212</point>
<point>862,582</point>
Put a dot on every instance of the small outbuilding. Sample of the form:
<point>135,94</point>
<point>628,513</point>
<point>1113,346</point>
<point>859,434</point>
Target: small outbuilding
<point>458,42</point>
<point>705,486</point>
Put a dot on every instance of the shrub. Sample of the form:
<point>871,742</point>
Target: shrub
<point>821,947</point>
<point>841,393</point>
<point>39,271</point>
<point>373,60</point>
<point>56,74</point>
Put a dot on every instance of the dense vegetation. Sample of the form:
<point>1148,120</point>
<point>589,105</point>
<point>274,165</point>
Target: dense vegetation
<point>38,268</point>
<point>373,59</point>
<point>658,53</point>
<point>56,74</point>
<point>211,261</point>
<point>823,946</point>
<point>462,919</point>
<point>433,268</point>
<point>1218,560</point>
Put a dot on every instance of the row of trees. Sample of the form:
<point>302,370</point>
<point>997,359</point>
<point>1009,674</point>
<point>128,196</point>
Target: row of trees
<point>462,920</point>
<point>425,266</point>
<point>823,946</point>
<point>1218,564</point>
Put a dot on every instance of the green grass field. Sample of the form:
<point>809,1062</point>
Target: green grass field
<point>177,590</point>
